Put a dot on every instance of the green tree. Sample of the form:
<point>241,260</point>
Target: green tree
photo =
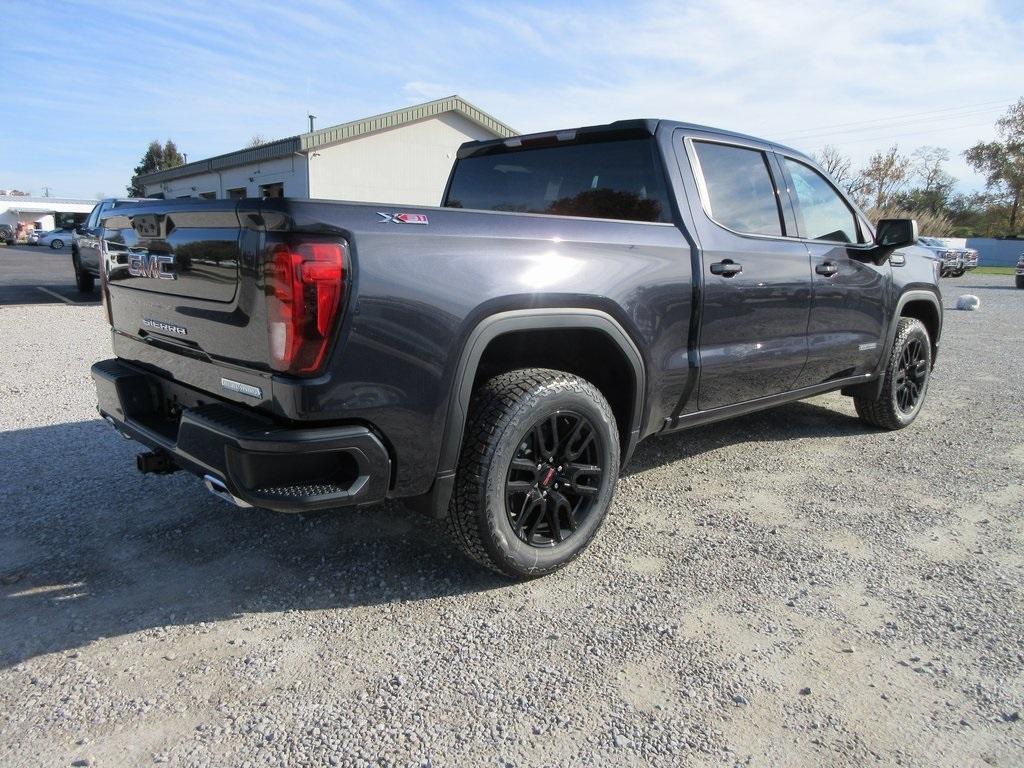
<point>1002,162</point>
<point>157,158</point>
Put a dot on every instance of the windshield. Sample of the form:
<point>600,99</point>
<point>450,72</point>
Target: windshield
<point>605,180</point>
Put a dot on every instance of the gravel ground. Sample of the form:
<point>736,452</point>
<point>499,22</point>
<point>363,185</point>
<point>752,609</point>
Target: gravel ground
<point>788,588</point>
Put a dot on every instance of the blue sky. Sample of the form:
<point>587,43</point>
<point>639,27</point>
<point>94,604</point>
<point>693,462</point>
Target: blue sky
<point>88,85</point>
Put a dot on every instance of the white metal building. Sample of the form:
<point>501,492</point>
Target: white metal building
<point>399,157</point>
<point>24,213</point>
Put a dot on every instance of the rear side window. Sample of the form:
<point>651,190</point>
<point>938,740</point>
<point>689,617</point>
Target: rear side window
<point>824,214</point>
<point>604,180</point>
<point>740,192</point>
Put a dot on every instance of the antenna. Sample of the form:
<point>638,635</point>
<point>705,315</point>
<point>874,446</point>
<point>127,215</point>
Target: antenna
<point>311,119</point>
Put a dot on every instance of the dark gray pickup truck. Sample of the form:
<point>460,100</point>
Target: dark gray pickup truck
<point>495,360</point>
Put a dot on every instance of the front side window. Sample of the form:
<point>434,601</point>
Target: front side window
<point>824,214</point>
<point>740,192</point>
<point>94,218</point>
<point>602,179</point>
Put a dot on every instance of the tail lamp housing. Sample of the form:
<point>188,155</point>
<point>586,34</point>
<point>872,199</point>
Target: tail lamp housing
<point>305,285</point>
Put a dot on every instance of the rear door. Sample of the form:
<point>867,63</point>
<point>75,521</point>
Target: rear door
<point>756,277</point>
<point>848,306</point>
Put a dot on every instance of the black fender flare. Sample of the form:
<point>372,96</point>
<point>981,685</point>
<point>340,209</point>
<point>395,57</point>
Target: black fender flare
<point>484,333</point>
<point>874,387</point>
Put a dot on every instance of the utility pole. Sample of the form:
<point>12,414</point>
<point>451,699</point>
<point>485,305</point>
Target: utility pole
<point>46,191</point>
<point>311,119</point>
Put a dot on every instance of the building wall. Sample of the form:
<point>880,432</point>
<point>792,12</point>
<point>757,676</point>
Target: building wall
<point>996,253</point>
<point>16,210</point>
<point>408,164</point>
<point>289,170</point>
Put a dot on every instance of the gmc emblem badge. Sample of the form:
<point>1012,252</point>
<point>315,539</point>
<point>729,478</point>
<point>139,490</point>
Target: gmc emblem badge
<point>159,266</point>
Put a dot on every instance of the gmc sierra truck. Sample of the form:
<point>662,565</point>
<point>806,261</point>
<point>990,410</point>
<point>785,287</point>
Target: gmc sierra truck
<point>496,360</point>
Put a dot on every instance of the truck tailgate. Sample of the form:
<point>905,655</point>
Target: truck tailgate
<point>184,276</point>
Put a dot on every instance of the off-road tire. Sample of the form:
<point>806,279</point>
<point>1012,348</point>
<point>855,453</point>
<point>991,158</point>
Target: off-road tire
<point>501,412</point>
<point>884,411</point>
<point>83,280</point>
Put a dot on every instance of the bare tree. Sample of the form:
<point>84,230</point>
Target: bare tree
<point>258,140</point>
<point>835,163</point>
<point>885,175</point>
<point>840,168</point>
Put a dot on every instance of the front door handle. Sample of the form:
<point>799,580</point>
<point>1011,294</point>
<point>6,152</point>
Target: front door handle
<point>726,268</point>
<point>827,268</point>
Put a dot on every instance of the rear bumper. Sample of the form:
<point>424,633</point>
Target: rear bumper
<point>256,460</point>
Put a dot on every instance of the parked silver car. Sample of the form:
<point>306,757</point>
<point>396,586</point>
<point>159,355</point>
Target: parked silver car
<point>56,238</point>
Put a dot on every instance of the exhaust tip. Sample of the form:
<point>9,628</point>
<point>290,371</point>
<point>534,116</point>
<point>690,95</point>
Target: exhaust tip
<point>216,486</point>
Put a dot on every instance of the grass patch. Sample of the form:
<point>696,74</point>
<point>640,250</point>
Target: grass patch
<point>994,271</point>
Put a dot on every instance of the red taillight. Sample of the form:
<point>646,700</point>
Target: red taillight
<point>305,284</point>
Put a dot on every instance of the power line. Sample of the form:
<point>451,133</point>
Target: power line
<point>893,125</point>
<point>990,104</point>
<point>890,136</point>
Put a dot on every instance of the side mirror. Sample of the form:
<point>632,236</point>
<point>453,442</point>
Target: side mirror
<point>891,234</point>
<point>896,233</point>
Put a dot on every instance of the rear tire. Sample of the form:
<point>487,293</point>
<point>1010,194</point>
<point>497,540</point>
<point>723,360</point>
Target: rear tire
<point>1020,281</point>
<point>57,244</point>
<point>514,509</point>
<point>905,381</point>
<point>83,280</point>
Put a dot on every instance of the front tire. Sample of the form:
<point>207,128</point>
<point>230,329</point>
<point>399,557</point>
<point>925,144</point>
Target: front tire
<point>539,463</point>
<point>1020,281</point>
<point>83,280</point>
<point>905,381</point>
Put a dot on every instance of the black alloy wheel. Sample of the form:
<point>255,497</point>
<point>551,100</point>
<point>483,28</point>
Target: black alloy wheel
<point>554,479</point>
<point>537,471</point>
<point>895,401</point>
<point>911,375</point>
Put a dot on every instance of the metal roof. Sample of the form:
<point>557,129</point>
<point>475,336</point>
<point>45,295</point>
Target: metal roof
<point>45,200</point>
<point>335,134</point>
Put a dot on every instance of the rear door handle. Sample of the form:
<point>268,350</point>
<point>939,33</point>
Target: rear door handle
<point>726,268</point>
<point>827,268</point>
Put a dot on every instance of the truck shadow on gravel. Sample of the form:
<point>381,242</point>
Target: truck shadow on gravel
<point>795,421</point>
<point>89,549</point>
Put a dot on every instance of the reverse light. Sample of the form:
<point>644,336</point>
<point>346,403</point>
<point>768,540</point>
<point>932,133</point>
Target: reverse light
<point>305,288</point>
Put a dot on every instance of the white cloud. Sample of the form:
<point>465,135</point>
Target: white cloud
<point>211,76</point>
